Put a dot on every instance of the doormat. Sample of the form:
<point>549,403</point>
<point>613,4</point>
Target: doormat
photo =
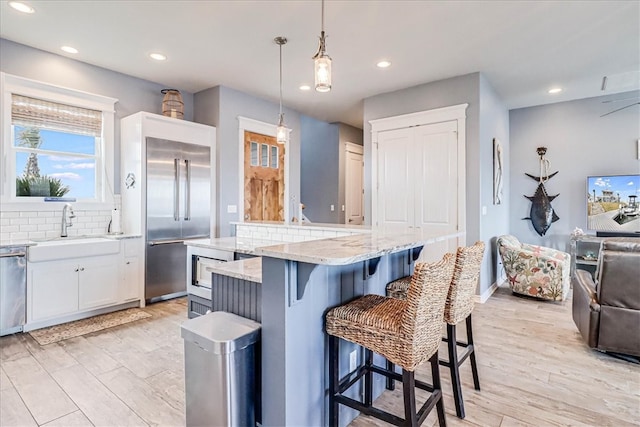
<point>77,328</point>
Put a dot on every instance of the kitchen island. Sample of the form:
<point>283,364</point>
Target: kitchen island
<point>300,282</point>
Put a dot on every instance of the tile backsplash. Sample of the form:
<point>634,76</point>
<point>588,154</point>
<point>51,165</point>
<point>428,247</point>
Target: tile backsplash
<point>47,224</point>
<point>289,233</point>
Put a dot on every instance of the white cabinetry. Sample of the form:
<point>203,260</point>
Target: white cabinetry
<point>67,286</point>
<point>131,270</point>
<point>62,290</point>
<point>54,289</point>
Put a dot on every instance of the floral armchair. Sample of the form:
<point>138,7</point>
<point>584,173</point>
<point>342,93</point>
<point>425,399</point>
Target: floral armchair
<point>535,271</point>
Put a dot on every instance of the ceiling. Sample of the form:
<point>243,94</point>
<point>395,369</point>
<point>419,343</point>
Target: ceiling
<point>523,47</point>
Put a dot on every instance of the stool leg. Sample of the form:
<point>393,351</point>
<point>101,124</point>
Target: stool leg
<point>334,357</point>
<point>472,356</point>
<point>409,393</point>
<point>391,384</point>
<point>453,368</point>
<point>437,388</point>
<point>368,377</point>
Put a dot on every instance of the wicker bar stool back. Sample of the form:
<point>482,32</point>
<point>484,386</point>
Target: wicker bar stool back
<point>458,308</point>
<point>406,332</point>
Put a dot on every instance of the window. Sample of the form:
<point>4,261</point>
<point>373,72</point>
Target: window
<point>58,144</point>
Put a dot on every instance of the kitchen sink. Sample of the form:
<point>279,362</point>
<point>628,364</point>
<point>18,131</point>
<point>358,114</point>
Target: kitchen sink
<point>72,247</point>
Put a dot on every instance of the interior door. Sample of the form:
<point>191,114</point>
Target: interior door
<point>395,184</point>
<point>354,185</point>
<point>263,178</point>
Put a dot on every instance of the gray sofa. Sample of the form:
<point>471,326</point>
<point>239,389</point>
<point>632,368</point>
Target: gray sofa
<point>607,310</point>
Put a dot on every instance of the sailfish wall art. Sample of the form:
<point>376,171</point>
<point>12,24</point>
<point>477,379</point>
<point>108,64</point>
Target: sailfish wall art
<point>542,214</point>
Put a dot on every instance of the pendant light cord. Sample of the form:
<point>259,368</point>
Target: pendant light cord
<point>322,19</point>
<point>280,82</point>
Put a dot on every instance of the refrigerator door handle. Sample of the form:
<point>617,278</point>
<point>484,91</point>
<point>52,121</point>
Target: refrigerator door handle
<point>176,192</point>
<point>187,191</point>
<point>164,242</point>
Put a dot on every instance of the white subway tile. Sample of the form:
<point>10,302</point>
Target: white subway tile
<point>36,220</point>
<point>27,227</point>
<point>28,214</point>
<point>91,225</point>
<point>98,231</point>
<point>19,221</point>
<point>37,235</point>
<point>5,221</point>
<point>10,228</point>
<point>53,220</point>
<point>44,214</point>
<point>9,214</point>
<point>19,235</point>
<point>52,234</point>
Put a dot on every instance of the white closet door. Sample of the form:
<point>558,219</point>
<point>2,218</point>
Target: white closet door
<point>395,184</point>
<point>436,184</point>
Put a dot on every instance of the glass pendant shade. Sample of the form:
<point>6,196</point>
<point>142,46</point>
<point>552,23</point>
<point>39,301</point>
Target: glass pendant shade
<point>282,134</point>
<point>322,66</point>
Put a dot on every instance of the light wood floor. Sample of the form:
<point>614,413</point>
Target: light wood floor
<point>534,371</point>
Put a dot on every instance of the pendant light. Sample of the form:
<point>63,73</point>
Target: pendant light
<point>322,62</point>
<point>282,133</point>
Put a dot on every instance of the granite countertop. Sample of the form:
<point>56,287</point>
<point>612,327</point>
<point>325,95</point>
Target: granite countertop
<point>351,249</point>
<point>245,269</point>
<point>243,245</point>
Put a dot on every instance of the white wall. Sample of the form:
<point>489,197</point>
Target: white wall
<point>579,143</point>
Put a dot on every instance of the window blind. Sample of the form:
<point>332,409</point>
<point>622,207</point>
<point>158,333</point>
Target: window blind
<point>27,111</point>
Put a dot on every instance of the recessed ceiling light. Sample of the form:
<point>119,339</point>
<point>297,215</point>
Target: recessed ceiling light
<point>158,56</point>
<point>383,64</point>
<point>555,90</point>
<point>21,7</point>
<point>305,87</point>
<point>69,49</point>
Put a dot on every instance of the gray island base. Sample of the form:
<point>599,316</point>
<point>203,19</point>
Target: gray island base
<point>300,282</point>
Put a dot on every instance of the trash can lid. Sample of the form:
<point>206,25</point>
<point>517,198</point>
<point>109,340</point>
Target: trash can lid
<point>220,332</point>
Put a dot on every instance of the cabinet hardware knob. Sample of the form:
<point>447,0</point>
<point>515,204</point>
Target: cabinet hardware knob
<point>82,269</point>
<point>77,270</point>
<point>128,262</point>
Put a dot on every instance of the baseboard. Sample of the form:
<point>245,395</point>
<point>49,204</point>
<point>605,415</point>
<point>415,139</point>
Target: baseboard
<point>486,294</point>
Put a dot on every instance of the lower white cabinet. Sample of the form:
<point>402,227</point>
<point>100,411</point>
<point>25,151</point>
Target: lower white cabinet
<point>65,288</point>
<point>97,282</point>
<point>54,289</point>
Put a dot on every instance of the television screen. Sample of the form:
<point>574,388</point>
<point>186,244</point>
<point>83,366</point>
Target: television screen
<point>612,203</point>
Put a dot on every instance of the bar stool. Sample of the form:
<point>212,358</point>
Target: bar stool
<point>459,305</point>
<point>406,332</point>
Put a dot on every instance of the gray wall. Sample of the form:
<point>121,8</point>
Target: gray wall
<point>494,123</point>
<point>352,134</point>
<point>133,94</point>
<point>579,143</point>
<point>319,168</point>
<point>220,107</point>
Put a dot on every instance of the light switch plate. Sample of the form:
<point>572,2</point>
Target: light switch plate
<point>232,209</point>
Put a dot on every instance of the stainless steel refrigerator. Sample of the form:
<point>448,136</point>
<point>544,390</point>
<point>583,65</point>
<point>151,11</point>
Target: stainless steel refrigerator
<point>178,185</point>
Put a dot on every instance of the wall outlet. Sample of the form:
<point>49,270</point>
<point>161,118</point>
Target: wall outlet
<point>353,360</point>
<point>232,209</point>
<point>342,208</point>
<point>484,210</point>
<point>333,208</point>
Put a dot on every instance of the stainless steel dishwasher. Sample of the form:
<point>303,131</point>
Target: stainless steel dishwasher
<point>13,289</point>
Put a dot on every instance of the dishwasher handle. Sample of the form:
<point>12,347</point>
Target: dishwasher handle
<point>13,254</point>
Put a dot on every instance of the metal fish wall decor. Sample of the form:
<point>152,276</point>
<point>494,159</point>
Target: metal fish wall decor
<point>542,213</point>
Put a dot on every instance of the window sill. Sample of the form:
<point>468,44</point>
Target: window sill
<point>37,206</point>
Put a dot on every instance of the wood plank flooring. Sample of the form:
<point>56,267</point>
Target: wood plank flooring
<point>534,371</point>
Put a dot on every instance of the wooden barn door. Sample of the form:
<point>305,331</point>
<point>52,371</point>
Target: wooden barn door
<point>263,178</point>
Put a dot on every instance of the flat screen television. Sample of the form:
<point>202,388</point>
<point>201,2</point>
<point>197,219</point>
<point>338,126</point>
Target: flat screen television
<point>613,208</point>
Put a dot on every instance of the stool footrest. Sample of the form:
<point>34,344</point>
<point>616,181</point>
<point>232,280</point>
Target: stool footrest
<point>398,377</point>
<point>463,356</point>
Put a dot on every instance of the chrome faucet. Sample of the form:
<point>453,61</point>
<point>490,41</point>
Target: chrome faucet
<point>67,214</point>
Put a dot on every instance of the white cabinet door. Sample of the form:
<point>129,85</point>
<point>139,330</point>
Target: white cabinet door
<point>131,280</point>
<point>54,289</point>
<point>98,284</point>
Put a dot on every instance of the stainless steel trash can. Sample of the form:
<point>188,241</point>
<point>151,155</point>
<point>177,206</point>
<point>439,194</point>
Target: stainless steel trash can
<point>220,369</point>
